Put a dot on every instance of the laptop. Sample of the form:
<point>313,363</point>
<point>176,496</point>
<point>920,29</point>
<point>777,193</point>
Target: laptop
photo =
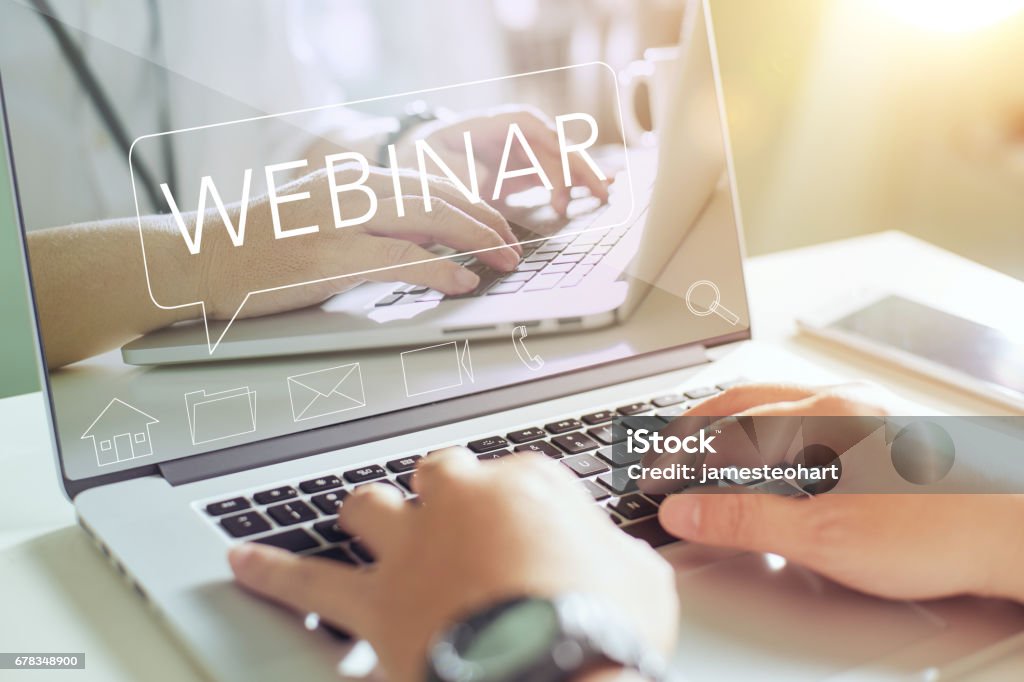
<point>169,466</point>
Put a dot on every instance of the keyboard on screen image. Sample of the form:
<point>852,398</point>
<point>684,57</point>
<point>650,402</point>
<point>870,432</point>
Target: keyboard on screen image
<point>300,516</point>
<point>558,262</point>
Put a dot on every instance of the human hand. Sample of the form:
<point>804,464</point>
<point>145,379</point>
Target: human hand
<point>489,131</point>
<point>387,247</point>
<point>484,532</point>
<point>901,546</point>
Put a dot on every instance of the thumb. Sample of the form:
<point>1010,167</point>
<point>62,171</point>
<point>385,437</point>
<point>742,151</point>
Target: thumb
<point>756,522</point>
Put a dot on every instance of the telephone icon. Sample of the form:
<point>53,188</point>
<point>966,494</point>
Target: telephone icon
<point>533,362</point>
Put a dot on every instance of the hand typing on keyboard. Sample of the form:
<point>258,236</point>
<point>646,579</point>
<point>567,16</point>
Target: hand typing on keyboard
<point>903,546</point>
<point>477,533</point>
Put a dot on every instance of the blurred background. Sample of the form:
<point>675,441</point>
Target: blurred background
<point>847,116</point>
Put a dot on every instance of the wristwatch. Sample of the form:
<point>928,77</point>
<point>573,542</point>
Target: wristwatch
<point>530,639</point>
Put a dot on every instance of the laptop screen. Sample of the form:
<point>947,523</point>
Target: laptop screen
<point>246,225</point>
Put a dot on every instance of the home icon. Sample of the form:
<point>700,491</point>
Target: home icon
<point>120,433</point>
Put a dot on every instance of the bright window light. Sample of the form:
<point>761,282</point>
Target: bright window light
<point>952,16</point>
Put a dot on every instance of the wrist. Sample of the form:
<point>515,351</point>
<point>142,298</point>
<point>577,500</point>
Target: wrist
<point>171,278</point>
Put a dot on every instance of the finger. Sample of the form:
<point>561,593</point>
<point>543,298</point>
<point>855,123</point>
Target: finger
<point>448,225</point>
<point>744,398</point>
<point>440,468</point>
<point>551,162</point>
<point>749,521</point>
<point>390,260</point>
<point>376,513</point>
<point>824,419</point>
<point>444,189</point>
<point>306,584</point>
<point>549,154</point>
<point>583,175</point>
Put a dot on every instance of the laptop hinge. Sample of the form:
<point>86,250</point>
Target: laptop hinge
<point>378,427</point>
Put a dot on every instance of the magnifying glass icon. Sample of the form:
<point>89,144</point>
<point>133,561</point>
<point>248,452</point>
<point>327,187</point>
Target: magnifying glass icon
<point>703,298</point>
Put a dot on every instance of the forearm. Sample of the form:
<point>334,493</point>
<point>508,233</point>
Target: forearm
<point>91,287</point>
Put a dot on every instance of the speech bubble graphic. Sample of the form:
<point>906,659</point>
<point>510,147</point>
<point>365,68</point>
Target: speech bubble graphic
<point>290,217</point>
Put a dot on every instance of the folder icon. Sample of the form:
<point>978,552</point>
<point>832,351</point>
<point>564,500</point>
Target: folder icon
<point>436,368</point>
<point>326,391</point>
<point>214,416</point>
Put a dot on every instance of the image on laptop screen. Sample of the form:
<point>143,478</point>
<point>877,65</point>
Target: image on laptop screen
<point>234,248</point>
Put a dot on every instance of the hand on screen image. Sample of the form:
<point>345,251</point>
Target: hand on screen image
<point>92,279</point>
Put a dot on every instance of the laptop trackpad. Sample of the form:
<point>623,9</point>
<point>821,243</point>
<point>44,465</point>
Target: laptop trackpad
<point>753,616</point>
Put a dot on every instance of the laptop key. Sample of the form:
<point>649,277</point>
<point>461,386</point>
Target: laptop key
<point>406,480</point>
<point>367,473</point>
<point>321,484</point>
<point>557,268</point>
<point>290,513</point>
<point>235,504</point>
<point>563,426</point>
<point>494,454</point>
<point>633,408</point>
<point>703,392</point>
<point>726,385</point>
<point>606,434</point>
<point>328,503</point>
<point>526,435</point>
<point>585,465</point>
<point>634,506</point>
<point>596,491</point>
<point>504,288</point>
<point>430,296</point>
<point>404,464</point>
<point>339,554</point>
<point>575,443</point>
<point>487,444</point>
<point>668,414</point>
<point>384,482</point>
<point>330,531</point>
<point>667,400</point>
<point>618,481</point>
<point>244,524</point>
<point>294,540</point>
<point>618,456</point>
<point>518,276</point>
<point>543,282</point>
<point>599,417</point>
<point>285,492</point>
<point>650,531</point>
<point>526,266</point>
<point>541,446</point>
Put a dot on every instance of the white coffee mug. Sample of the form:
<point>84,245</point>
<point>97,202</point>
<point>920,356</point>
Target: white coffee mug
<point>652,74</point>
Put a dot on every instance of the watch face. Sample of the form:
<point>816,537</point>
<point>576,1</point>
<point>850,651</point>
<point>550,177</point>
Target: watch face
<point>515,639</point>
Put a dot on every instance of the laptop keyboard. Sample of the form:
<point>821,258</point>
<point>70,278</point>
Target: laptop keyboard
<point>558,262</point>
<point>299,516</point>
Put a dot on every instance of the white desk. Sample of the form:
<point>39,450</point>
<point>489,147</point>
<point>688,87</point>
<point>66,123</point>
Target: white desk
<point>60,595</point>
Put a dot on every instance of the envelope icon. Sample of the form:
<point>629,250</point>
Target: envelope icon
<point>326,391</point>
